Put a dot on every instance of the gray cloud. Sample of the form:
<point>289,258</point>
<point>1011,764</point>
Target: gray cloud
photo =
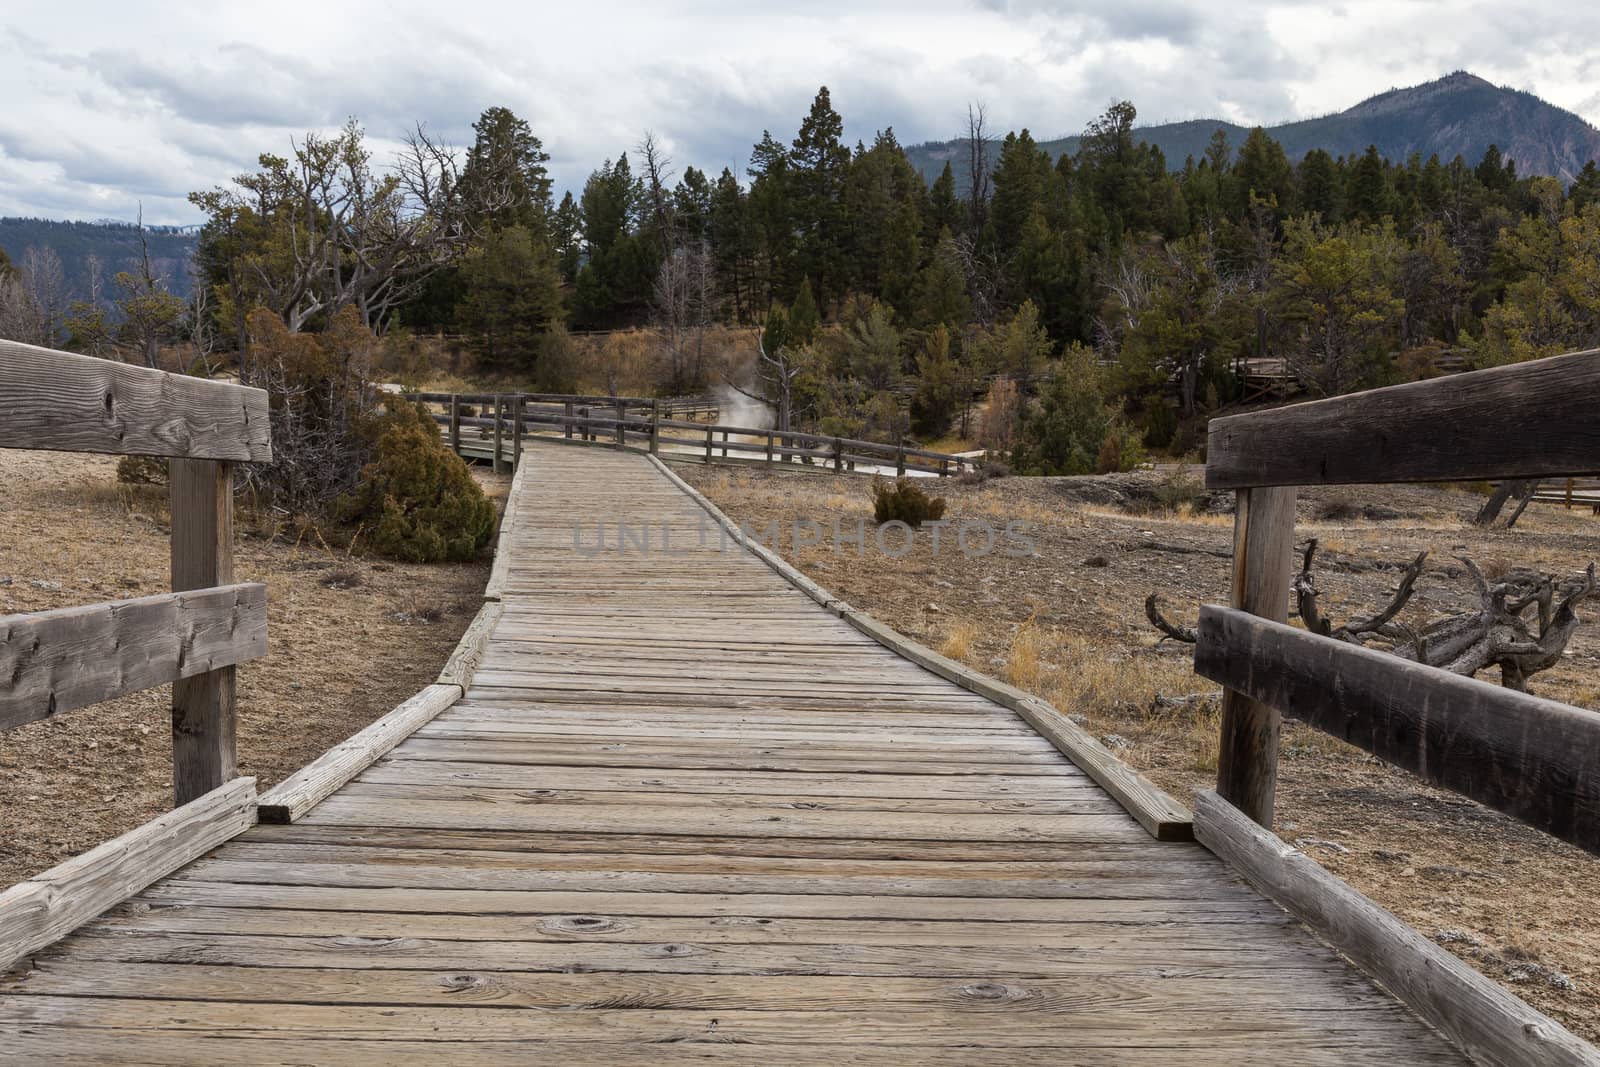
<point>105,111</point>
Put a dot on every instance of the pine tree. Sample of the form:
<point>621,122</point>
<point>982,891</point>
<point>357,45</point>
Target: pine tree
<point>512,297</point>
<point>944,207</point>
<point>820,162</point>
<point>567,237</point>
<point>1370,198</point>
<point>505,182</point>
<point>1321,190</point>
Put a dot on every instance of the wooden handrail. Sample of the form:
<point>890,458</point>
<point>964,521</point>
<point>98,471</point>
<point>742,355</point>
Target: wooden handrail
<point>1536,759</point>
<point>69,658</point>
<point>1465,427</point>
<point>1533,758</point>
<point>65,402</point>
<point>58,660</point>
<point>616,422</point>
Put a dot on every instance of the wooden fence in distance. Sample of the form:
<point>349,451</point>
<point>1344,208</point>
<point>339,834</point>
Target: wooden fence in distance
<point>491,426</point>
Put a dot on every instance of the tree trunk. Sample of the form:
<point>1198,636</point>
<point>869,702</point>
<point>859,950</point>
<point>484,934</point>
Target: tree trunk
<point>1521,488</point>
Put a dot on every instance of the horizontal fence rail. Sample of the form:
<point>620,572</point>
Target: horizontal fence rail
<point>1536,759</point>
<point>1538,419</point>
<point>64,402</point>
<point>73,657</point>
<point>500,421</point>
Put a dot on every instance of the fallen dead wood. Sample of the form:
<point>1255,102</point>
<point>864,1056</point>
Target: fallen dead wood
<point>1522,624</point>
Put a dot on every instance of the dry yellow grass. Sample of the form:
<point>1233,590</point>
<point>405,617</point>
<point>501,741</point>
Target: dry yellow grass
<point>1022,663</point>
<point>958,639</point>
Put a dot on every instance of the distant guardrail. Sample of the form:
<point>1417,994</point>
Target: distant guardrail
<point>492,426</point>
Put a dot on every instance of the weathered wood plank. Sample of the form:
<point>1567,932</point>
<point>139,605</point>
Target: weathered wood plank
<point>470,650</point>
<point>70,403</point>
<point>56,661</point>
<point>317,780</point>
<point>44,908</point>
<point>127,1047</point>
<point>1462,427</point>
<point>1263,550</point>
<point>1161,816</point>
<point>1490,1024</point>
<point>1529,757</point>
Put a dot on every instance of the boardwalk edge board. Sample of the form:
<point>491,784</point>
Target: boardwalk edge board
<point>1489,1024</point>
<point>45,908</point>
<point>1160,814</point>
<point>463,662</point>
<point>508,525</point>
<point>317,780</point>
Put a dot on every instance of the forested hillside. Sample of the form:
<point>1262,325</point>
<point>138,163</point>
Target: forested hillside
<point>1460,114</point>
<point>85,248</point>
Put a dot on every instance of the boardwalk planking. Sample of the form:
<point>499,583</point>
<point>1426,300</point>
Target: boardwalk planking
<point>683,813</point>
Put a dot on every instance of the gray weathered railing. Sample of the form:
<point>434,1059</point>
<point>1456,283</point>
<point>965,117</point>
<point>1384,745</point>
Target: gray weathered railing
<point>641,424</point>
<point>1531,758</point>
<point>52,662</point>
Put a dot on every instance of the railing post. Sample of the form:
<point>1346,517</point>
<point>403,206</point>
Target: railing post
<point>724,444</point>
<point>944,467</point>
<point>655,427</point>
<point>900,460</point>
<point>1569,494</point>
<point>516,430</point>
<point>769,448</point>
<point>587,430</point>
<point>204,752</point>
<point>708,444</point>
<point>1263,560</point>
<point>838,455</point>
<point>567,421</point>
<point>455,423</point>
<point>622,439</point>
<point>498,432</point>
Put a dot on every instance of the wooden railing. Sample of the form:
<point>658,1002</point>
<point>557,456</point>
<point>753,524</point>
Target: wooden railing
<point>640,423</point>
<point>1526,756</point>
<point>52,662</point>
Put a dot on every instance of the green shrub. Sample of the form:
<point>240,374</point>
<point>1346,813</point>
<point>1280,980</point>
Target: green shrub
<point>1160,424</point>
<point>904,501</point>
<point>142,470</point>
<point>416,499</point>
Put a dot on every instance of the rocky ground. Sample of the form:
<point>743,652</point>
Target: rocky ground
<point>1068,623</point>
<point>349,639</point>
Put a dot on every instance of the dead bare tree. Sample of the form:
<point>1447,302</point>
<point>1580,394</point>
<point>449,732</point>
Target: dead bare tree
<point>683,302</point>
<point>778,375</point>
<point>1519,489</point>
<point>1498,633</point>
<point>345,234</point>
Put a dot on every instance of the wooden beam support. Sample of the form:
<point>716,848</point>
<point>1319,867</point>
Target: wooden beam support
<point>203,713</point>
<point>1463,427</point>
<point>498,464</point>
<point>48,906</point>
<point>455,424</point>
<point>313,783</point>
<point>70,403</point>
<point>1489,1024</point>
<point>1536,759</point>
<point>55,661</point>
<point>1263,561</point>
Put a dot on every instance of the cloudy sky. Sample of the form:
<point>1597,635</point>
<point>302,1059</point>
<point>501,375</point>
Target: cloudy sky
<point>106,106</point>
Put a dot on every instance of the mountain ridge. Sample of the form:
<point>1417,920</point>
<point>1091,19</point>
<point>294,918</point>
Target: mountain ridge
<point>1458,114</point>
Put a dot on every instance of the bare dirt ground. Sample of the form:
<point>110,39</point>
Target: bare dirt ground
<point>349,638</point>
<point>1068,623</point>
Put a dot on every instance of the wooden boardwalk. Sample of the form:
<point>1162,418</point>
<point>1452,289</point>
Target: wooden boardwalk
<point>683,814</point>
